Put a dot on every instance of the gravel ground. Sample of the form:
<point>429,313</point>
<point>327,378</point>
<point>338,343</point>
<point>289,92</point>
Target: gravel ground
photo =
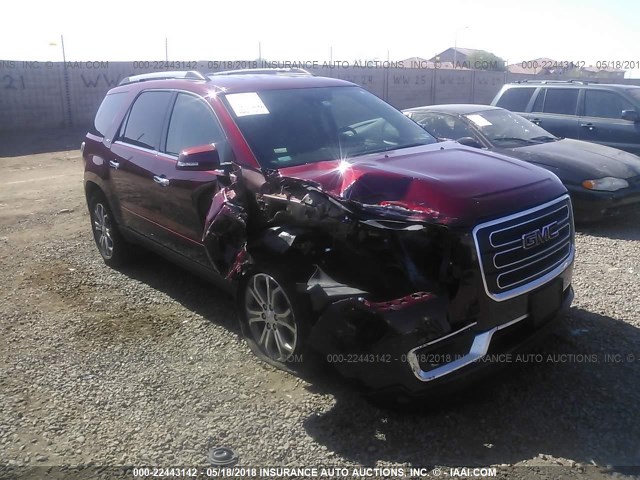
<point>145,365</point>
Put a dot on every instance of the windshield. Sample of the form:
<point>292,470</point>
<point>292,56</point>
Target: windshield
<point>297,126</point>
<point>506,129</point>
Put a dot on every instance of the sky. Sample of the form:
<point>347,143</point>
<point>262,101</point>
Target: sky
<point>129,30</point>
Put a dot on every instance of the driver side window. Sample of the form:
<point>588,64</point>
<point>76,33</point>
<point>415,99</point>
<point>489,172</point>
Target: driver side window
<point>604,104</point>
<point>193,123</point>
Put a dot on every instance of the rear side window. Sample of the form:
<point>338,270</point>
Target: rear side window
<point>109,108</point>
<point>561,100</point>
<point>192,124</point>
<point>515,99</point>
<point>146,118</point>
<point>598,103</point>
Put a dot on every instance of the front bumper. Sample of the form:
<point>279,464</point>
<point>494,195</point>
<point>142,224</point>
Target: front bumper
<point>399,351</point>
<point>591,205</point>
<point>479,348</point>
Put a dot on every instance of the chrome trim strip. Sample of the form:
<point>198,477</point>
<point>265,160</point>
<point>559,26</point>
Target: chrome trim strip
<point>501,297</point>
<point>524,223</point>
<point>478,350</point>
<point>562,240</point>
<point>135,147</point>
<point>555,250</point>
<point>168,156</point>
<point>433,342</point>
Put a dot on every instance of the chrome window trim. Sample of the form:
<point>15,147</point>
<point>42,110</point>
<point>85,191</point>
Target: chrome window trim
<point>170,90</point>
<point>137,147</point>
<point>479,349</point>
<point>501,297</point>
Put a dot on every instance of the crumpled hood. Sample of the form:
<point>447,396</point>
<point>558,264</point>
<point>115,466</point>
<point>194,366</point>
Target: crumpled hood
<point>574,160</point>
<point>445,182</point>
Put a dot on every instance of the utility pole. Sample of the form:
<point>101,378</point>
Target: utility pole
<point>64,56</point>
<point>166,49</point>
<point>455,44</point>
<point>66,84</point>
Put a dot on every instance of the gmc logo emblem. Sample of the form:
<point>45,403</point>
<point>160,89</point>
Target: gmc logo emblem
<point>540,236</point>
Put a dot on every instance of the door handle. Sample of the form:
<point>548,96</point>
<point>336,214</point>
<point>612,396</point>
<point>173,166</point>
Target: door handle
<point>114,164</point>
<point>164,182</point>
<point>536,121</point>
<point>590,126</point>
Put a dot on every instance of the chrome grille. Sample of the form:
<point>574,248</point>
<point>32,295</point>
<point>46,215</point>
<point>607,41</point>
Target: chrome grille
<point>523,251</point>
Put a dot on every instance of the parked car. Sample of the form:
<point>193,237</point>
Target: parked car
<point>599,113</point>
<point>340,225</point>
<point>602,181</point>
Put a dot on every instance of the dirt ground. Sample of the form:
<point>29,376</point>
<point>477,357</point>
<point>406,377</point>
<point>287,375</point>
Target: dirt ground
<point>145,365</point>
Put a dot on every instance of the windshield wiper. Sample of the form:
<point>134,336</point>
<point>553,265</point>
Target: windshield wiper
<point>545,138</point>
<point>515,139</point>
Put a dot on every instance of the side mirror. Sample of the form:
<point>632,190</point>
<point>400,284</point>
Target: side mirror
<point>200,158</point>
<point>630,115</point>
<point>469,142</point>
<point>215,157</point>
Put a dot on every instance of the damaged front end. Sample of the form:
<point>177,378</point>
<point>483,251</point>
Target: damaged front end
<point>380,278</point>
<point>396,295</point>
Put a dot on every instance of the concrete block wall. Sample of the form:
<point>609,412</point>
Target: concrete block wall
<point>36,95</point>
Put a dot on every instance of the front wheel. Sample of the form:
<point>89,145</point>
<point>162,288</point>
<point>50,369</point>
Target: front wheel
<point>274,318</point>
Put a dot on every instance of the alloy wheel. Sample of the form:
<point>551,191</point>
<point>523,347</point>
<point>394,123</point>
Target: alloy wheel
<point>102,230</point>
<point>270,317</point>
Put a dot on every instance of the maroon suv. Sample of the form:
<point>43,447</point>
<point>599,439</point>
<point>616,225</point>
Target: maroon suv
<point>340,225</point>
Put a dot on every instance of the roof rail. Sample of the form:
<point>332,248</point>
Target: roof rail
<point>265,71</point>
<point>577,82</point>
<point>190,75</point>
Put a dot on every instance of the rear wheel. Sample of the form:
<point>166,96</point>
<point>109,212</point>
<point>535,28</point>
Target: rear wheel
<point>274,318</point>
<point>113,248</point>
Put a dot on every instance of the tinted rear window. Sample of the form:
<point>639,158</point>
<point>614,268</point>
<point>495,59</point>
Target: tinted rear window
<point>515,99</point>
<point>109,109</point>
<point>561,100</point>
<point>144,125</point>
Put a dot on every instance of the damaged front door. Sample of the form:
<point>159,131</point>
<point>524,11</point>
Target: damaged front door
<point>188,187</point>
<point>225,235</point>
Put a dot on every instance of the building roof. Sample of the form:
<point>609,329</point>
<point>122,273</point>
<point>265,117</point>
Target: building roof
<point>467,51</point>
<point>419,62</point>
<point>462,51</point>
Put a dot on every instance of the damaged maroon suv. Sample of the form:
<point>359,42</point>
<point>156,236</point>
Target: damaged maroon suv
<point>340,225</point>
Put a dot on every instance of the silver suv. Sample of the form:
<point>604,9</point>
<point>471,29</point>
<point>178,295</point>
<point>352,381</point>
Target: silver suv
<point>600,113</point>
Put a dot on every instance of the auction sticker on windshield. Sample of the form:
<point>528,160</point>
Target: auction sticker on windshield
<point>479,120</point>
<point>245,104</point>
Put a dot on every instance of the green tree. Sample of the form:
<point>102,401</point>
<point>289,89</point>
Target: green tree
<point>483,60</point>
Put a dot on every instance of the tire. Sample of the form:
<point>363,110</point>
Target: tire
<point>275,320</point>
<point>113,248</point>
